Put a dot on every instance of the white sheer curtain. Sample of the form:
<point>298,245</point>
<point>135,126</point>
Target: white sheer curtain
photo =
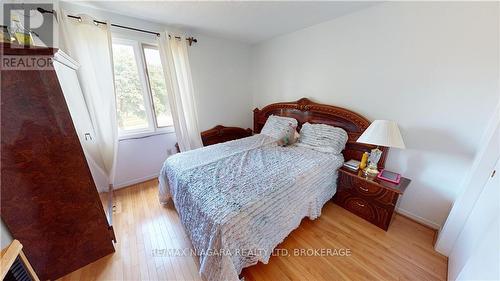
<point>90,45</point>
<point>175,62</point>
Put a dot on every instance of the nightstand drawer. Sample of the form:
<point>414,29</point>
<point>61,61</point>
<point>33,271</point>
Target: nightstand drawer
<point>364,187</point>
<point>360,207</point>
<point>365,209</point>
<point>367,190</point>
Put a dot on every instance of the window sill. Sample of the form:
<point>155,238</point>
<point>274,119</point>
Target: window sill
<point>169,130</point>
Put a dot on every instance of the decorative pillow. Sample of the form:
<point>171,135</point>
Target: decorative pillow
<point>290,136</point>
<point>322,137</point>
<point>277,126</point>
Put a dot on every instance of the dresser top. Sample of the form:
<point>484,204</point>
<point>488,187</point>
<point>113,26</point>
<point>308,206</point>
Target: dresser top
<point>399,188</point>
<point>20,50</point>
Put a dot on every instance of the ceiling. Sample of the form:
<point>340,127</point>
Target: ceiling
<point>249,22</point>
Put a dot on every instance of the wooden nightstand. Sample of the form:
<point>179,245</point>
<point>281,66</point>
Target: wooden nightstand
<point>371,199</point>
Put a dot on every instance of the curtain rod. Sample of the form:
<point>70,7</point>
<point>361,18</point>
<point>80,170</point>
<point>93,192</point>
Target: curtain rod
<point>189,39</point>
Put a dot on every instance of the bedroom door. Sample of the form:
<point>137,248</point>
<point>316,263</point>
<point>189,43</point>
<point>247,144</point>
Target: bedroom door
<point>475,255</point>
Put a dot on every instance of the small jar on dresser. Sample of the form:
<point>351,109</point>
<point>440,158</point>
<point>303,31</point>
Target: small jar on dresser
<point>369,198</point>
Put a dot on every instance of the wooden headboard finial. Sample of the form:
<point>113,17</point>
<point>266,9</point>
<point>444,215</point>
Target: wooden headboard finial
<point>303,104</point>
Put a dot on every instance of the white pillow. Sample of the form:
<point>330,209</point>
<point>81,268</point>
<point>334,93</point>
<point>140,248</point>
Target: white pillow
<point>277,126</point>
<point>322,137</point>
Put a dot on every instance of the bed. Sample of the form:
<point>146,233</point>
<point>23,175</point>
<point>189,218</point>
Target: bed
<point>239,199</point>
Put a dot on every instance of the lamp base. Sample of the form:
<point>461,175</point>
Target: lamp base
<point>371,171</point>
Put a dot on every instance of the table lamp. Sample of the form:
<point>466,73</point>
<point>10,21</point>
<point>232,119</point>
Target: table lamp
<point>380,133</point>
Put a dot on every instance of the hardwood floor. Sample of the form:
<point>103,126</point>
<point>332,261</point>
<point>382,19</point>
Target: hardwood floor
<point>144,227</point>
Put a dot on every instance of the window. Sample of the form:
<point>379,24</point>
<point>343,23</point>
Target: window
<point>141,94</point>
<point>158,87</point>
<point>130,102</point>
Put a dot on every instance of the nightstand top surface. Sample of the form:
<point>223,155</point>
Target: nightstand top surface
<point>399,188</point>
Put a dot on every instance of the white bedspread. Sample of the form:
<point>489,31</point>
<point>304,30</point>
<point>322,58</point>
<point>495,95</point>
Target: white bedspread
<point>238,200</point>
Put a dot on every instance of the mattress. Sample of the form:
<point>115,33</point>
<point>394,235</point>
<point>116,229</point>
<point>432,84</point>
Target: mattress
<point>238,200</point>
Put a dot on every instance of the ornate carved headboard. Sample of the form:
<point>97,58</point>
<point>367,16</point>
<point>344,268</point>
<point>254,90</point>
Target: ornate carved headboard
<point>305,110</point>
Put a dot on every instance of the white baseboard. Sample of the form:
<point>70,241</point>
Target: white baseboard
<point>134,181</point>
<point>419,219</point>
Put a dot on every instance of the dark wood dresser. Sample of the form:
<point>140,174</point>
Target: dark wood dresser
<point>49,201</point>
<point>371,199</point>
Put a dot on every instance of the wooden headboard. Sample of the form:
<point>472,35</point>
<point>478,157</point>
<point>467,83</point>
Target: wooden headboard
<point>305,110</point>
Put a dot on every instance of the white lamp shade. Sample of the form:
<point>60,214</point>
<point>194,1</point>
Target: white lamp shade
<point>383,133</point>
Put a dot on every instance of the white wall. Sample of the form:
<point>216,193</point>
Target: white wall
<point>141,159</point>
<point>220,70</point>
<point>221,74</point>
<point>432,67</point>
